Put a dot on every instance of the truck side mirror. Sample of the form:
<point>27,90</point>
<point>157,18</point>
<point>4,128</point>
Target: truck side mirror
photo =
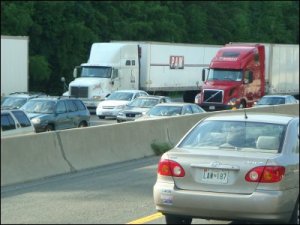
<point>203,74</point>
<point>250,77</point>
<point>115,74</point>
<point>75,72</point>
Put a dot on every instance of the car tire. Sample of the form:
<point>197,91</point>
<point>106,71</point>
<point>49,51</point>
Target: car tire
<point>49,127</point>
<point>101,117</point>
<point>82,124</point>
<point>174,219</point>
<point>295,216</point>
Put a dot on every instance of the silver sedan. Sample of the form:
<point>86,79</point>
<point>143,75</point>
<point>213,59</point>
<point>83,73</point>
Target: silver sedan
<point>240,167</point>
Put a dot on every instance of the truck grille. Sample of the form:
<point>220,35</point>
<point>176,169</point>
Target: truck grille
<point>79,92</point>
<point>213,96</point>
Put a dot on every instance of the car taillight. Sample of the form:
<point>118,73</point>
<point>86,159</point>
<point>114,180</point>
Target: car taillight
<point>265,174</point>
<point>170,168</point>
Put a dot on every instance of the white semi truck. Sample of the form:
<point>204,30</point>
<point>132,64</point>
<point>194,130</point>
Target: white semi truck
<point>14,64</point>
<point>155,67</point>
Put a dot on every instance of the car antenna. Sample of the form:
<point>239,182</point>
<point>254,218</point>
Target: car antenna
<point>246,117</point>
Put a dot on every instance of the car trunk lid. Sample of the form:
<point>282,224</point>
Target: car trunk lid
<point>218,171</point>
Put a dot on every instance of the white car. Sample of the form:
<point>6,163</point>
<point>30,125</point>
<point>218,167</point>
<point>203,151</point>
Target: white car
<point>116,102</point>
<point>15,122</point>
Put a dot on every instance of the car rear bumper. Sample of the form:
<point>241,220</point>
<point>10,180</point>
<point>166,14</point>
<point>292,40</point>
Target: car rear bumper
<point>272,206</point>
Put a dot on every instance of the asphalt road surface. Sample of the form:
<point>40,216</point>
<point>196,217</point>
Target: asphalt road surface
<point>114,194</point>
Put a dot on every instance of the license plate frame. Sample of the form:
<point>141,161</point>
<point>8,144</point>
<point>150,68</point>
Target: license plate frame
<point>215,176</point>
<point>211,107</point>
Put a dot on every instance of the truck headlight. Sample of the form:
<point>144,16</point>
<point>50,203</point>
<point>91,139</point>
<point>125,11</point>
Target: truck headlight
<point>197,98</point>
<point>232,102</point>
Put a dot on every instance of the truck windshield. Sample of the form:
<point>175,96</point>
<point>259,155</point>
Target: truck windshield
<point>102,72</point>
<point>229,75</point>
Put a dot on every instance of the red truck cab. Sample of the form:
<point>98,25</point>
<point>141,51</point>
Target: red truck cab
<point>235,78</point>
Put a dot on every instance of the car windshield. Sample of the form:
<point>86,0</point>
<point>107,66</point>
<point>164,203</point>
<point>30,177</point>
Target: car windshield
<point>165,111</point>
<point>235,135</point>
<point>143,102</point>
<point>271,101</point>
<point>39,106</point>
<point>13,102</point>
<point>125,96</point>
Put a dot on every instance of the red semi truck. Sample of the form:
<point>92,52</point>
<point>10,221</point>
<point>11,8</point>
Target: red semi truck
<point>240,74</point>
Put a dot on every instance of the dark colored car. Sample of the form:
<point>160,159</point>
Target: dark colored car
<point>18,99</point>
<point>139,106</point>
<point>56,113</point>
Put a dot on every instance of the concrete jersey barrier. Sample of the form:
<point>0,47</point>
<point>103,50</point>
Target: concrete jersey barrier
<point>31,157</point>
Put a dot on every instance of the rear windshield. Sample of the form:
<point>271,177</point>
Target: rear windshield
<point>235,135</point>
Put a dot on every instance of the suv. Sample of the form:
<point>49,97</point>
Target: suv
<point>57,113</point>
<point>16,99</point>
<point>15,122</point>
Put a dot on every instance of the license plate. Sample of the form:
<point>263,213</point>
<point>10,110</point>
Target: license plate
<point>212,107</point>
<point>215,176</point>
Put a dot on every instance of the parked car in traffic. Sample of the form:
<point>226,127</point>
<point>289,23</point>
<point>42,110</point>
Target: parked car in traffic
<point>57,113</point>
<point>139,106</point>
<point>276,100</point>
<point>172,109</point>
<point>15,122</point>
<point>115,102</point>
<point>17,99</point>
<point>237,167</point>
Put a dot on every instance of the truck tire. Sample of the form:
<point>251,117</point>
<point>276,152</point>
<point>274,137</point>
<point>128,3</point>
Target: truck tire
<point>189,96</point>
<point>174,219</point>
<point>242,105</point>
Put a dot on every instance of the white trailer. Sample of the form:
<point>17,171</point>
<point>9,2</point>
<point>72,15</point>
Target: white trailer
<point>14,64</point>
<point>282,69</point>
<point>155,67</point>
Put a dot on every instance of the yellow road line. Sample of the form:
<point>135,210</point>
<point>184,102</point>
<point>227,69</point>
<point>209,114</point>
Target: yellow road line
<point>146,219</point>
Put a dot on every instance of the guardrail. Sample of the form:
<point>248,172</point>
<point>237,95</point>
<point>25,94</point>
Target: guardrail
<point>36,156</point>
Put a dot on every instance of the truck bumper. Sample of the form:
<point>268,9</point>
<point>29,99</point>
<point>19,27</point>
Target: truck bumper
<point>217,107</point>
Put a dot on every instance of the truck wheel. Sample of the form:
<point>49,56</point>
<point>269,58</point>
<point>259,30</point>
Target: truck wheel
<point>49,127</point>
<point>101,117</point>
<point>172,219</point>
<point>242,105</point>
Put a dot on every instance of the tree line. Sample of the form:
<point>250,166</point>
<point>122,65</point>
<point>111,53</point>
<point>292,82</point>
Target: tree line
<point>62,32</point>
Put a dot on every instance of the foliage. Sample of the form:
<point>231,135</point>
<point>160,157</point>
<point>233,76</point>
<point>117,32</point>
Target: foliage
<point>160,147</point>
<point>62,32</point>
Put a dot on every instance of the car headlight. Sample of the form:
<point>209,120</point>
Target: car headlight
<point>120,107</point>
<point>36,120</point>
<point>120,114</point>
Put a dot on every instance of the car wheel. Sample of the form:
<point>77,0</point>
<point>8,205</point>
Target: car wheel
<point>82,124</point>
<point>295,216</point>
<point>101,117</point>
<point>49,127</point>
<point>172,219</point>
